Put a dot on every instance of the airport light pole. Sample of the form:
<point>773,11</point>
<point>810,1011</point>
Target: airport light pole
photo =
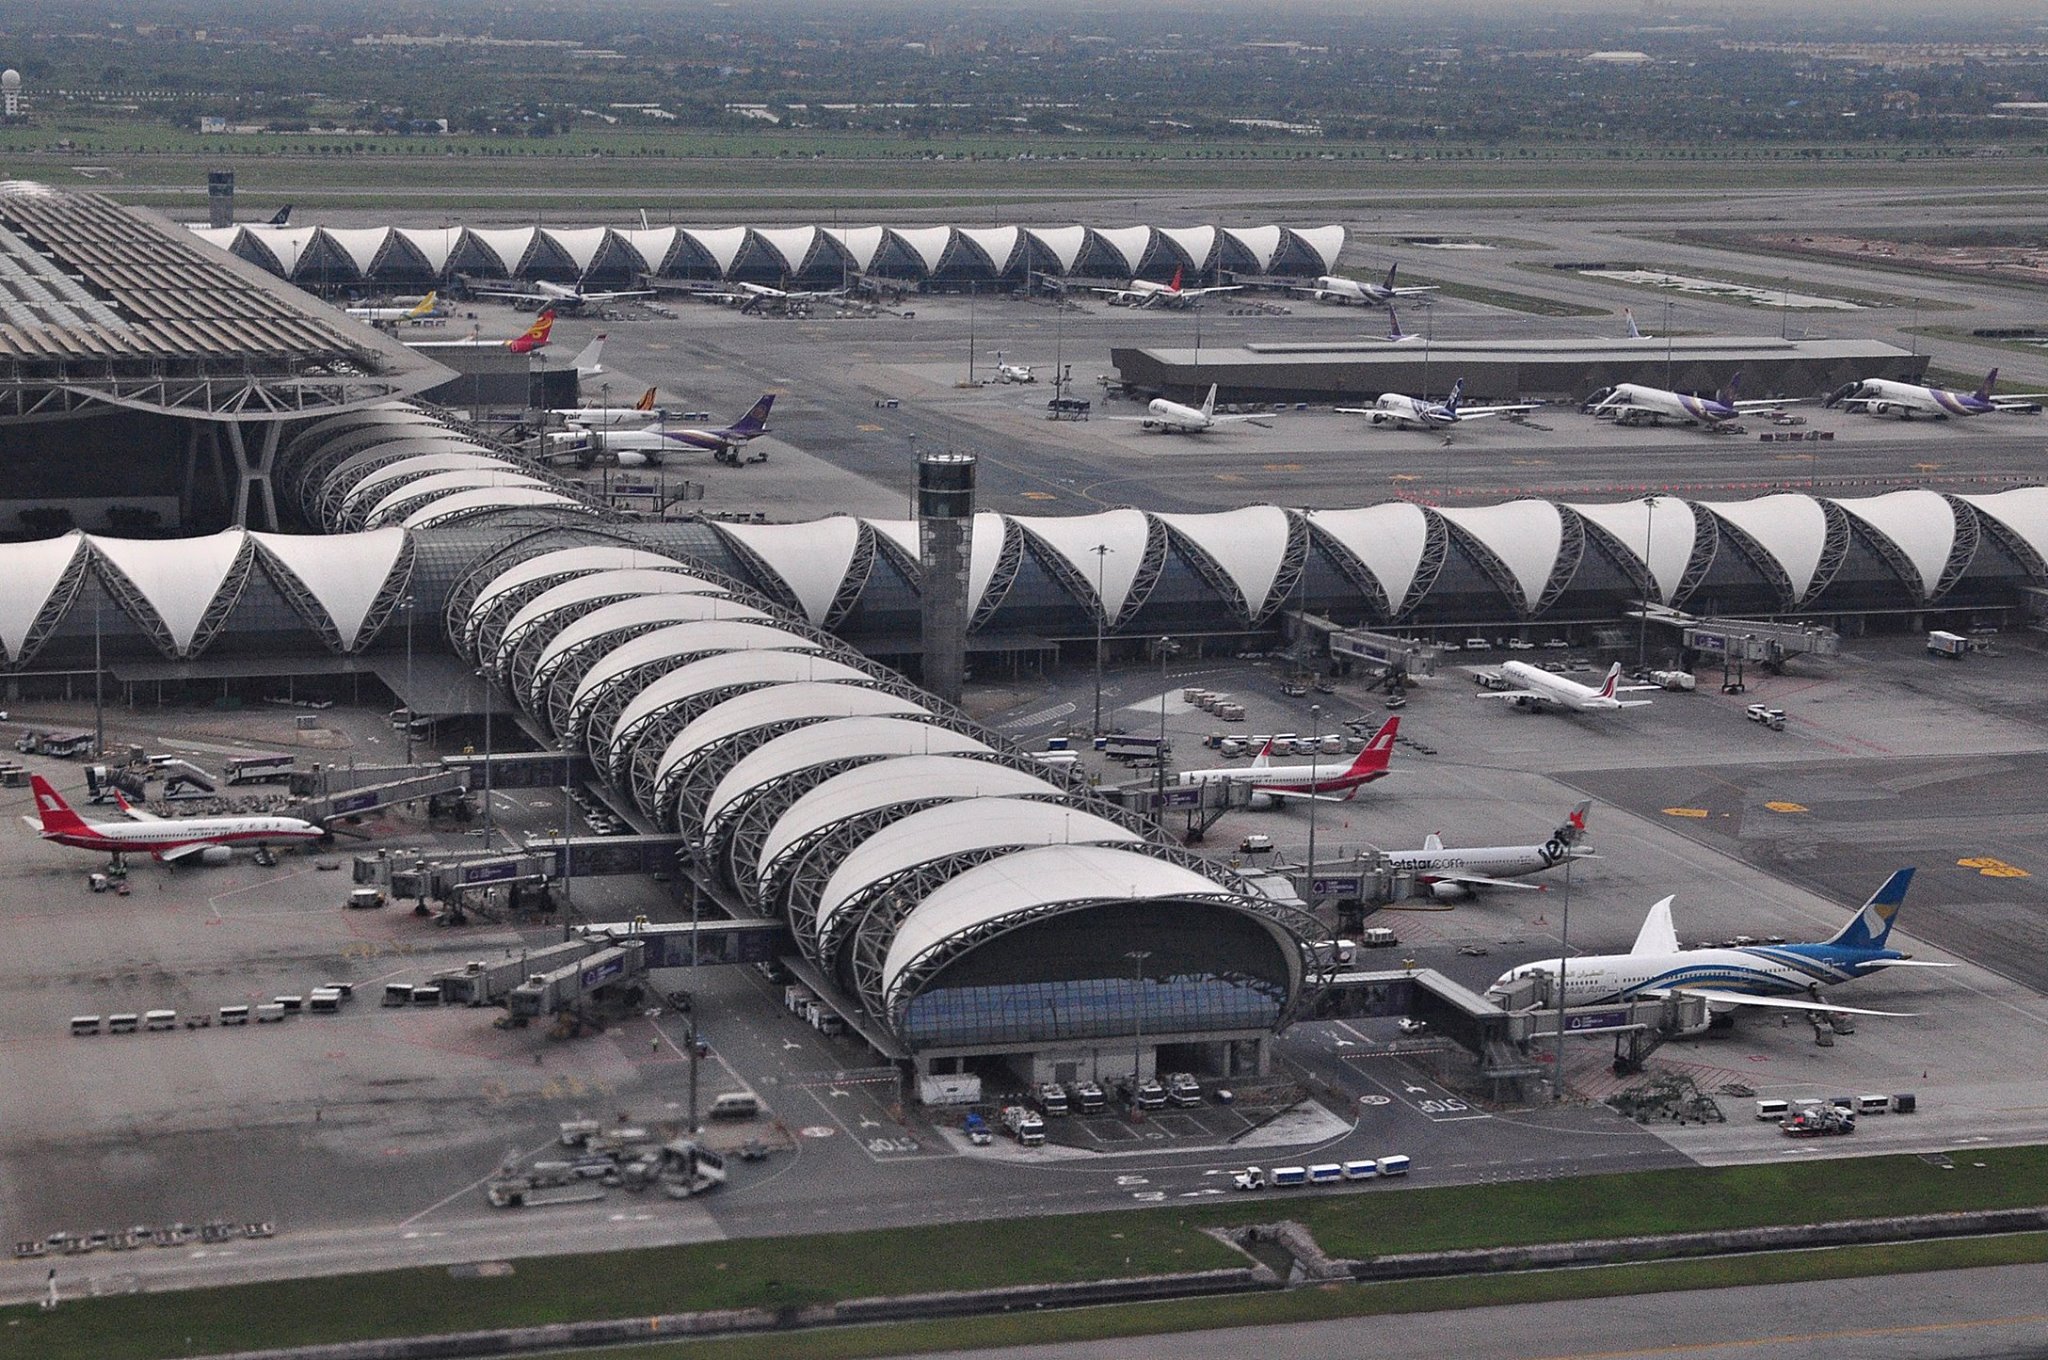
<point>1137,958</point>
<point>490,704</point>
<point>1102,552</point>
<point>1667,343</point>
<point>1564,949</point>
<point>1167,647</point>
<point>407,604</point>
<point>99,705</point>
<point>1649,581</point>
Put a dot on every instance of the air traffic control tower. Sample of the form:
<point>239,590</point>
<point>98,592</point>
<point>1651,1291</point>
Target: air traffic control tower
<point>945,524</point>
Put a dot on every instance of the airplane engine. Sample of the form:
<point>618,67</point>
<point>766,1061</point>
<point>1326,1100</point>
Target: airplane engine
<point>1444,891</point>
<point>1150,425</point>
<point>1885,408</point>
<point>216,855</point>
<point>1262,802</point>
<point>1381,419</point>
<point>633,458</point>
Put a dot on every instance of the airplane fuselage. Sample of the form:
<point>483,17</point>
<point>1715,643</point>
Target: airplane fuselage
<point>1170,417</point>
<point>1884,397</point>
<point>1755,970</point>
<point>1555,691</point>
<point>1492,861</point>
<point>1628,403</point>
<point>171,835</point>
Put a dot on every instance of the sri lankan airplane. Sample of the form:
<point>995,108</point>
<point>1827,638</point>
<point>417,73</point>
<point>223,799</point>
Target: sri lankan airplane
<point>1146,293</point>
<point>394,316</point>
<point>1635,404</point>
<point>1171,417</point>
<point>1884,397</point>
<point>646,447</point>
<point>1532,687</point>
<point>1396,410</point>
<point>1317,781</point>
<point>209,840</point>
<point>559,298</point>
<point>534,337</point>
<point>1785,976</point>
<point>1331,288</point>
<point>1447,873</point>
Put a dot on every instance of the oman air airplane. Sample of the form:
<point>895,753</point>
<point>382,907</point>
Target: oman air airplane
<point>1330,288</point>
<point>1883,397</point>
<point>1171,417</point>
<point>1398,411</point>
<point>1145,293</point>
<point>1446,873</point>
<point>1786,976</point>
<point>1320,781</point>
<point>395,316</point>
<point>1634,404</point>
<point>1532,687</point>
<point>204,840</point>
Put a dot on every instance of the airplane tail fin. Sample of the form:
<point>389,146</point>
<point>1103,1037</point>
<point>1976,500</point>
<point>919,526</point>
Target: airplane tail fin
<point>1575,825</point>
<point>646,402</point>
<point>1394,331</point>
<point>1432,842</point>
<point>643,220</point>
<point>1457,394</point>
<point>590,359</point>
<point>1264,757</point>
<point>1726,396</point>
<point>1613,679</point>
<point>1658,935</point>
<point>755,421</point>
<point>426,304</point>
<point>1633,333</point>
<point>537,334</point>
<point>1209,402</point>
<point>1174,287</point>
<point>1379,750</point>
<point>1984,388</point>
<point>56,813</point>
<point>1390,275</point>
<point>1872,926</point>
<point>282,217</point>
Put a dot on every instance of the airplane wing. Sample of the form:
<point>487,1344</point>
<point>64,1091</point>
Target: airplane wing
<point>1765,403</point>
<point>1632,703</point>
<point>135,813</point>
<point>1515,694</point>
<point>184,852</point>
<point>1218,288</point>
<point>1627,408</point>
<point>1905,963</point>
<point>614,297</point>
<point>1482,881</point>
<point>1287,795</point>
<point>2019,401</point>
<point>1412,290</point>
<point>1721,998</point>
<point>1266,421</point>
<point>1482,412</point>
<point>514,295</point>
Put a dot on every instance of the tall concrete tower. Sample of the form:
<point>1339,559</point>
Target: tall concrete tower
<point>945,532</point>
<point>220,198</point>
<point>10,93</point>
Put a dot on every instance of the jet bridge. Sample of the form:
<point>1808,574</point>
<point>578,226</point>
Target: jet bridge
<point>1733,641</point>
<point>574,987</point>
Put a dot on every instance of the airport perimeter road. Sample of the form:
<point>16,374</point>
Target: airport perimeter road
<point>1985,1314</point>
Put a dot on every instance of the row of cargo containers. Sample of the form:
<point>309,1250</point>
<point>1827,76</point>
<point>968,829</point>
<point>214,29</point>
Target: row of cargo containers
<point>1211,702</point>
<point>1323,1173</point>
<point>322,1000</point>
<point>803,1003</point>
<point>1772,1110</point>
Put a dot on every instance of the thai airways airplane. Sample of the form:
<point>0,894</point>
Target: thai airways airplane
<point>561,299</point>
<point>1396,410</point>
<point>534,337</point>
<point>1171,417</point>
<point>1145,293</point>
<point>1884,397</point>
<point>1538,688</point>
<point>646,447</point>
<point>1448,874</point>
<point>1785,976</point>
<point>171,840</point>
<point>1331,288</point>
<point>392,316</point>
<point>1634,404</point>
<point>1319,781</point>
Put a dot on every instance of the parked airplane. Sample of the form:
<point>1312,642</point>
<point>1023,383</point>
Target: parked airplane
<point>1634,404</point>
<point>641,412</point>
<point>1884,397</point>
<point>1539,688</point>
<point>1145,293</point>
<point>1171,417</point>
<point>534,337</point>
<point>589,360</point>
<point>560,299</point>
<point>1633,333</point>
<point>1449,874</point>
<point>282,217</point>
<point>1786,976</point>
<point>171,840</point>
<point>1014,373</point>
<point>1331,288</point>
<point>646,447</point>
<point>1396,410</point>
<point>393,316</point>
<point>1322,781</point>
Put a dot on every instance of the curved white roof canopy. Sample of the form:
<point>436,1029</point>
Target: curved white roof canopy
<point>2023,511</point>
<point>760,664</point>
<point>509,244</point>
<point>1525,535</point>
<point>606,585</point>
<point>1793,529</point>
<point>1249,544</point>
<point>1920,523</point>
<point>360,244</point>
<point>954,829</point>
<point>999,244</point>
<point>31,572</point>
<point>1130,244</point>
<point>1029,879</point>
<point>463,504</point>
<point>454,456</point>
<point>560,562</point>
<point>1074,539</point>
<point>440,483</point>
<point>221,238</point>
<point>1669,531</point>
<point>1388,538</point>
<point>861,243</point>
<point>796,702</point>
<point>435,244</point>
<point>887,783</point>
<point>642,611</point>
<point>1324,242</point>
<point>1065,243</point>
<point>285,244</point>
<point>344,572</point>
<point>651,245</point>
<point>901,532</point>
<point>926,244</point>
<point>722,244</point>
<point>810,559</point>
<point>1263,243</point>
<point>1197,243</point>
<point>580,244</point>
<point>984,549</point>
<point>791,246</point>
<point>828,743</point>
<point>179,577</point>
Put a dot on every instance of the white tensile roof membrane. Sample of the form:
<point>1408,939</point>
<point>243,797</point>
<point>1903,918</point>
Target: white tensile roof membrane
<point>700,677</point>
<point>221,238</point>
<point>463,503</point>
<point>1074,538</point>
<point>886,783</point>
<point>1326,242</point>
<point>1793,529</point>
<point>1197,243</point>
<point>795,702</point>
<point>829,743</point>
<point>435,244</point>
<point>791,245</point>
<point>620,583</point>
<point>956,828</point>
<point>901,532</point>
<point>927,244</point>
<point>810,559</point>
<point>31,571</point>
<point>455,479</point>
<point>1670,531</point>
<point>1249,544</point>
<point>592,557</point>
<point>361,245</point>
<point>1921,523</point>
<point>769,657</point>
<point>861,243</point>
<point>580,244</point>
<point>1388,538</point>
<point>722,244</point>
<point>1040,877</point>
<point>178,576</point>
<point>998,243</point>
<point>651,244</point>
<point>643,611</point>
<point>1065,243</point>
<point>285,244</point>
<point>510,244</point>
<point>1262,242</point>
<point>1525,535</point>
<point>378,482</point>
<point>1130,243</point>
<point>985,549</point>
<point>344,572</point>
<point>2023,511</point>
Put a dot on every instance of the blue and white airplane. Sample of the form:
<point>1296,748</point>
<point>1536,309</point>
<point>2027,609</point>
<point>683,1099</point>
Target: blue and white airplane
<point>1786,976</point>
<point>1635,404</point>
<point>1397,410</point>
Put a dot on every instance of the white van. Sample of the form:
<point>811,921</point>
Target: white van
<point>736,1105</point>
<point>1773,1110</point>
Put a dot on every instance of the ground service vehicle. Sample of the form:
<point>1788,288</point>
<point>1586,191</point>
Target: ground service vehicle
<point>1951,645</point>
<point>1022,1124</point>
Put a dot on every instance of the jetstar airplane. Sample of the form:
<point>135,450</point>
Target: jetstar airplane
<point>208,840</point>
<point>1884,397</point>
<point>1538,688</point>
<point>641,412</point>
<point>1171,417</point>
<point>1145,293</point>
<point>1395,410</point>
<point>1634,404</point>
<point>1320,781</point>
<point>1447,874</point>
<point>564,300</point>
<point>534,337</point>
<point>646,447</point>
<point>393,316</point>
<point>1331,288</point>
<point>1786,976</point>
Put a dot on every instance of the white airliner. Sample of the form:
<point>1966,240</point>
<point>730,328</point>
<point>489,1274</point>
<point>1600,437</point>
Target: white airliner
<point>1635,404</point>
<point>1014,373</point>
<point>1145,293</point>
<point>1449,874</point>
<point>1322,782</point>
<point>1170,417</point>
<point>171,840</point>
<point>562,300</point>
<point>641,412</point>
<point>1331,288</point>
<point>1537,688</point>
<point>1884,397</point>
<point>393,316</point>
<point>1398,411</point>
<point>1785,976</point>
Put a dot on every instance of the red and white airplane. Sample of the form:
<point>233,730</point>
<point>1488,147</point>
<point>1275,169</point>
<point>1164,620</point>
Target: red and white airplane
<point>172,840</point>
<point>1146,293</point>
<point>534,337</point>
<point>1324,782</point>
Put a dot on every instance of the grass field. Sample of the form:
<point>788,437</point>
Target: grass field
<point>777,1272</point>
